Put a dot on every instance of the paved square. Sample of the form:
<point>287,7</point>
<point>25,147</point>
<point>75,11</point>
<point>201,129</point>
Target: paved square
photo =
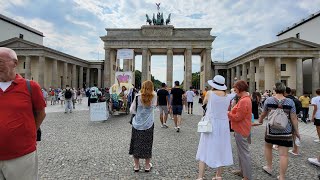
<point>74,148</point>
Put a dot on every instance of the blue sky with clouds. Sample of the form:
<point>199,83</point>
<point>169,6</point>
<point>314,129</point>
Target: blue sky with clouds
<point>75,26</point>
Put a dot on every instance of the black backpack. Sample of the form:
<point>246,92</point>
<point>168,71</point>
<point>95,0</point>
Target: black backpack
<point>68,94</point>
<point>297,103</point>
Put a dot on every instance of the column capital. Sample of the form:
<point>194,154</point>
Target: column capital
<point>209,48</point>
<point>107,48</point>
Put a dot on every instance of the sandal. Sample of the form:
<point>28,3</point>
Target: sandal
<point>148,170</point>
<point>267,170</point>
<point>295,154</point>
<point>237,172</point>
<point>136,170</point>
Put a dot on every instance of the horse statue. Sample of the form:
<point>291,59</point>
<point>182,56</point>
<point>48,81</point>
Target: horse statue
<point>154,20</point>
<point>168,19</point>
<point>148,19</point>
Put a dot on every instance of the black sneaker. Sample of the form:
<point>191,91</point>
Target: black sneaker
<point>178,129</point>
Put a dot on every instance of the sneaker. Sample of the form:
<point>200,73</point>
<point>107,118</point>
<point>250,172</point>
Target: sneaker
<point>162,126</point>
<point>178,129</point>
<point>314,161</point>
<point>165,125</point>
<point>316,140</point>
<point>295,154</point>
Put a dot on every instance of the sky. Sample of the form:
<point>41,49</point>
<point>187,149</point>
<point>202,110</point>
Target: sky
<point>75,26</point>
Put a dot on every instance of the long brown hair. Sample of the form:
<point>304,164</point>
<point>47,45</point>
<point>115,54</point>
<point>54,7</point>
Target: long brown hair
<point>147,93</point>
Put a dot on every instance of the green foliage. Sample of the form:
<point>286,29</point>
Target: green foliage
<point>156,82</point>
<point>196,80</point>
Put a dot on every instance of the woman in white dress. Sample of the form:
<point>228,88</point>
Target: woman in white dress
<point>214,148</point>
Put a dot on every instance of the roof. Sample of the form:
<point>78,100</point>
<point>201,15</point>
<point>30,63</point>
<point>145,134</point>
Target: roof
<point>273,44</point>
<point>309,18</point>
<point>16,23</point>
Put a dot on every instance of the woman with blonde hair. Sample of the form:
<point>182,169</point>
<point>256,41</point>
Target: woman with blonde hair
<point>143,125</point>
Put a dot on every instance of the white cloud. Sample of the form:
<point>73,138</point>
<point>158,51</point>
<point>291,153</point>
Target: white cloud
<point>81,23</point>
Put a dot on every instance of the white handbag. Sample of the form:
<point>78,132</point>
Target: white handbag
<point>205,126</point>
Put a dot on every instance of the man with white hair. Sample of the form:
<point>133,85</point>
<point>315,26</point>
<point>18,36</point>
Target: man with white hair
<point>22,112</point>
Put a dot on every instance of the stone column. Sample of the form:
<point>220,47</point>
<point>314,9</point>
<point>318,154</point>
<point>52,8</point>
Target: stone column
<point>277,70</point>
<point>299,77</point>
<point>54,82</point>
<point>145,65</point>
<point>88,77</point>
<point>99,78</point>
<point>118,64</point>
<point>228,79</point>
<point>113,60</point>
<point>81,77</point>
<point>74,76</point>
<point>133,68</point>
<point>261,75</point>
<point>244,72</point>
<point>252,77</point>
<point>315,75</point>
<point>188,79</point>
<point>169,67</point>
<point>238,72</point>
<point>216,72</point>
<point>65,75</point>
<point>232,76</point>
<point>149,65</point>
<point>28,68</point>
<point>126,64</point>
<point>41,69</point>
<point>207,67</point>
<point>107,68</point>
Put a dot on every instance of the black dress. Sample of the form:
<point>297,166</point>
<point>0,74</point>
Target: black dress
<point>255,109</point>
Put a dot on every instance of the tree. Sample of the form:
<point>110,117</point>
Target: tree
<point>137,79</point>
<point>156,82</point>
<point>196,80</point>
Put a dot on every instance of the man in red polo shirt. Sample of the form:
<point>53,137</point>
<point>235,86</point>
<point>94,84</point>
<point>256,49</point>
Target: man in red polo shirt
<point>20,116</point>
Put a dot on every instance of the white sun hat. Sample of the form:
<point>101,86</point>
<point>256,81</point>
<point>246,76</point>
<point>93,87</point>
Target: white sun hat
<point>218,82</point>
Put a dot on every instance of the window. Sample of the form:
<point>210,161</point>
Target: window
<point>21,36</point>
<point>24,65</point>
<point>247,71</point>
<point>283,67</point>
<point>240,73</point>
<point>255,69</point>
<point>284,82</point>
<point>298,35</point>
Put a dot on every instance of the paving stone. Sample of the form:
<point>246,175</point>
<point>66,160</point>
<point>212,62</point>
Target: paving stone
<point>74,148</point>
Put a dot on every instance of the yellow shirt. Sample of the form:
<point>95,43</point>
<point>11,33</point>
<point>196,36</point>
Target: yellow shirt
<point>305,101</point>
<point>204,94</point>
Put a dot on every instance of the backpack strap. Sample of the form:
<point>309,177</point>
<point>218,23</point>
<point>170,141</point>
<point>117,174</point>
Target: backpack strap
<point>137,103</point>
<point>279,104</point>
<point>29,87</point>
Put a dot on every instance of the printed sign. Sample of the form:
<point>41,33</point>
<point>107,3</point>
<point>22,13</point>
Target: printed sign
<point>125,54</point>
<point>98,111</point>
<point>122,79</point>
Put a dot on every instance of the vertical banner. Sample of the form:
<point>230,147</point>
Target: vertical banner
<point>125,54</point>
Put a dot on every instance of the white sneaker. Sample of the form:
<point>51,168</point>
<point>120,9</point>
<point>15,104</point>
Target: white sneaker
<point>316,140</point>
<point>314,161</point>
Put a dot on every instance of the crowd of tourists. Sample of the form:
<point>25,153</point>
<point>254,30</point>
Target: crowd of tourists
<point>226,113</point>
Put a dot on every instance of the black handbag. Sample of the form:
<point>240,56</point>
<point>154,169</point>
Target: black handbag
<point>133,115</point>
<point>39,134</point>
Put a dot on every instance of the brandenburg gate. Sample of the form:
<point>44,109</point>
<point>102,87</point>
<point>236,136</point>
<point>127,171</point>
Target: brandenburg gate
<point>159,39</point>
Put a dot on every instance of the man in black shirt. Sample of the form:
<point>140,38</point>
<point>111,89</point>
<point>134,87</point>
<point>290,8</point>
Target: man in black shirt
<point>163,104</point>
<point>176,104</point>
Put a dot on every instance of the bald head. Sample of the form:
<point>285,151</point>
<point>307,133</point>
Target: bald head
<point>8,64</point>
<point>8,53</point>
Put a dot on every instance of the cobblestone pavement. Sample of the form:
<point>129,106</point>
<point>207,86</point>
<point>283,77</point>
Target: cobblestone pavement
<point>74,148</point>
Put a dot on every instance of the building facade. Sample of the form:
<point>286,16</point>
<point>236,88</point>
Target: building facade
<point>10,28</point>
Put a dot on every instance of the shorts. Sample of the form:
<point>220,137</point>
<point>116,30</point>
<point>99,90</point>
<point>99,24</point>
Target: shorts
<point>316,122</point>
<point>177,109</point>
<point>190,104</point>
<point>163,109</point>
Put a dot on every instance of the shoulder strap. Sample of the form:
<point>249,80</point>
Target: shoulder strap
<point>137,102</point>
<point>29,87</point>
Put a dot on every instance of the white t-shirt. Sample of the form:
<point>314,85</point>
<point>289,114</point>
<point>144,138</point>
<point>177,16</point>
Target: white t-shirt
<point>190,94</point>
<point>316,101</point>
<point>4,85</point>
